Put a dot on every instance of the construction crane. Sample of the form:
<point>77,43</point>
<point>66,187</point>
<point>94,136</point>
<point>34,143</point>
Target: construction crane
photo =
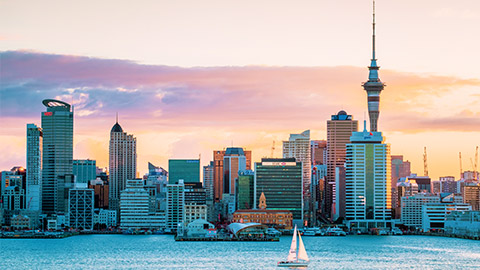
<point>273,149</point>
<point>425,167</point>
<point>475,173</point>
<point>461,171</point>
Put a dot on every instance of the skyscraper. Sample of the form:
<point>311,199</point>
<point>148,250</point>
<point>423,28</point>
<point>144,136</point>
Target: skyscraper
<point>84,170</point>
<point>298,147</point>
<point>373,86</point>
<point>339,130</point>
<point>368,190</point>
<point>234,161</point>
<point>187,170</point>
<point>208,181</point>
<point>218,156</point>
<point>34,167</point>
<point>122,163</point>
<point>57,127</point>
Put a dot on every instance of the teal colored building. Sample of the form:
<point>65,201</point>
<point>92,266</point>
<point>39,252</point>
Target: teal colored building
<point>245,190</point>
<point>186,169</point>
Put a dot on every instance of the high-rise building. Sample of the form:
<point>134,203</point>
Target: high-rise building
<point>195,202</point>
<point>373,86</point>
<point>208,181</point>
<point>187,170</point>
<point>234,161</point>
<point>298,147</point>
<point>100,191</point>
<point>367,181</point>
<point>471,196</point>
<point>122,163</point>
<point>57,159</point>
<point>318,152</point>
<point>400,168</point>
<point>448,184</point>
<point>218,174</point>
<point>175,205</point>
<point>84,170</point>
<point>281,180</point>
<point>34,168</point>
<point>245,190</point>
<point>81,207</point>
<point>339,130</point>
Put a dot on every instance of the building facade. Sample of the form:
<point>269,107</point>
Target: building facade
<point>34,167</point>
<point>84,170</point>
<point>339,129</point>
<point>122,163</point>
<point>187,170</point>
<point>234,161</point>
<point>57,156</point>
<point>471,196</point>
<point>298,147</point>
<point>245,190</point>
<point>175,204</point>
<point>281,180</point>
<point>81,202</point>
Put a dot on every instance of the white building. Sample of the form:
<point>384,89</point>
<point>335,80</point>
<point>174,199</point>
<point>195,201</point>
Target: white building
<point>411,208</point>
<point>81,203</point>
<point>434,214</point>
<point>122,163</point>
<point>34,168</point>
<point>367,181</point>
<point>200,228</point>
<point>175,205</point>
<point>134,208</point>
<point>298,147</point>
<point>194,212</point>
<point>463,223</point>
<point>107,217</point>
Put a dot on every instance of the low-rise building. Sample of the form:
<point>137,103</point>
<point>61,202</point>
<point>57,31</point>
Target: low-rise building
<point>200,228</point>
<point>465,223</point>
<point>105,217</point>
<point>471,196</point>
<point>21,222</point>
<point>434,214</point>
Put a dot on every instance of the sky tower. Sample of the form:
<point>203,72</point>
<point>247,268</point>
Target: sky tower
<point>373,86</point>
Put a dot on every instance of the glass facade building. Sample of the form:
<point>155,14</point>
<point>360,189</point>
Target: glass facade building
<point>245,190</point>
<point>186,169</point>
<point>281,181</point>
<point>34,167</point>
<point>57,127</point>
<point>84,170</point>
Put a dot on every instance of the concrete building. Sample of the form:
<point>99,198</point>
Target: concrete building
<point>187,170</point>
<point>424,183</point>
<point>281,180</point>
<point>339,130</point>
<point>318,152</point>
<point>122,163</point>
<point>84,170</point>
<point>135,212</point>
<point>81,203</point>
<point>20,222</point>
<point>400,169</point>
<point>234,161</point>
<point>106,217</point>
<point>208,172</point>
<point>340,193</point>
<point>298,147</point>
<point>57,156</point>
<point>34,168</point>
<point>195,202</point>
<point>101,193</point>
<point>471,196</point>
<point>175,205</point>
<point>434,214</point>
<point>448,184</point>
<point>367,183</point>
<point>463,223</point>
<point>218,171</point>
<point>200,228</point>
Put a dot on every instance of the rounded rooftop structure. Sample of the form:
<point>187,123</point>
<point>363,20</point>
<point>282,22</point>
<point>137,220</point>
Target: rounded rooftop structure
<point>51,103</point>
<point>116,128</point>
<point>342,112</point>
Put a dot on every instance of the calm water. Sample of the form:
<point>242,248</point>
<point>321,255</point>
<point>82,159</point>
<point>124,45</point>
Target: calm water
<point>162,252</point>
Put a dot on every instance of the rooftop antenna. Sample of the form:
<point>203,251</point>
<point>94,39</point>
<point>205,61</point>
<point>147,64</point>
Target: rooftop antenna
<point>116,119</point>
<point>373,37</point>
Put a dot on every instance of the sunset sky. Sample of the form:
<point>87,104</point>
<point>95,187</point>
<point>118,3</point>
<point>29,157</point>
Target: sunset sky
<point>188,77</point>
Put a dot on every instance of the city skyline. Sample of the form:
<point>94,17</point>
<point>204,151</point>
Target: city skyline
<point>181,112</point>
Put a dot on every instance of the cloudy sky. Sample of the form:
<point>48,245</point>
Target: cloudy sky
<point>187,77</point>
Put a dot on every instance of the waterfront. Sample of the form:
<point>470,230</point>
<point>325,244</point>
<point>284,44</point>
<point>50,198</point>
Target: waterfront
<point>162,252</point>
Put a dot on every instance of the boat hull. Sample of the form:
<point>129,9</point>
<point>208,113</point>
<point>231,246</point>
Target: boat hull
<point>292,264</point>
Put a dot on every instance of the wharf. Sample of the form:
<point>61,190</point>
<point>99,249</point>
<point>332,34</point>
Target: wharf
<point>226,239</point>
<point>37,236</point>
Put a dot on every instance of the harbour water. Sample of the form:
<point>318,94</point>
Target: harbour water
<point>162,252</point>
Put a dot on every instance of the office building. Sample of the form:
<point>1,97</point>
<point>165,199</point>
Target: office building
<point>175,205</point>
<point>245,190</point>
<point>195,202</point>
<point>368,201</point>
<point>208,172</point>
<point>218,172</point>
<point>281,180</point>
<point>318,152</point>
<point>122,163</point>
<point>339,130</point>
<point>234,161</point>
<point>57,156</point>
<point>471,196</point>
<point>105,218</point>
<point>400,168</point>
<point>448,184</point>
<point>34,168</point>
<point>298,147</point>
<point>187,170</point>
<point>135,212</point>
<point>434,214</point>
<point>81,206</point>
<point>84,170</point>
<point>424,183</point>
<point>101,193</point>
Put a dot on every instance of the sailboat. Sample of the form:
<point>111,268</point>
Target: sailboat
<point>296,259</point>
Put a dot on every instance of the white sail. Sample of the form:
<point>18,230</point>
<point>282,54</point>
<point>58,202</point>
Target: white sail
<point>302,253</point>
<point>292,255</point>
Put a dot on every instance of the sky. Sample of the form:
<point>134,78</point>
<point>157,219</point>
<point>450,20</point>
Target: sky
<point>189,77</point>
